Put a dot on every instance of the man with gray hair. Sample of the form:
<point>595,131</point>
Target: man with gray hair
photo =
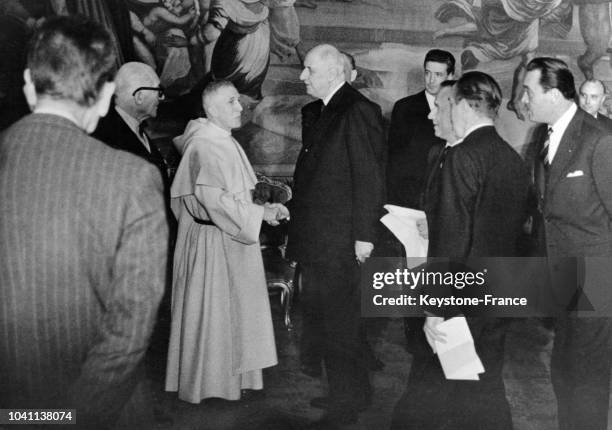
<point>591,97</point>
<point>137,96</point>
<point>221,335</point>
<point>337,201</point>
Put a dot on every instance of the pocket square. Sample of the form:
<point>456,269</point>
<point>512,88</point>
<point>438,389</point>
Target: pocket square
<point>575,174</point>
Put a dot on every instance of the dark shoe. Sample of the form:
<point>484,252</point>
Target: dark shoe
<point>311,370</point>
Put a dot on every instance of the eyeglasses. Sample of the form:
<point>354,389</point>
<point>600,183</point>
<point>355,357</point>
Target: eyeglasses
<point>159,89</point>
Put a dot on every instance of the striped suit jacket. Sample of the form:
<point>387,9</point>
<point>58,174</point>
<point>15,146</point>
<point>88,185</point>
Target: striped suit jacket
<point>83,251</point>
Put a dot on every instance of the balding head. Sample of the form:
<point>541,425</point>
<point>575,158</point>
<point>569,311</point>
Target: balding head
<point>323,70</point>
<point>591,96</point>
<point>140,104</point>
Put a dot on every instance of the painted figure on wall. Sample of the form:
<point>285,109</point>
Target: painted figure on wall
<point>594,16</point>
<point>498,29</point>
<point>501,30</point>
<point>161,38</point>
<point>240,31</point>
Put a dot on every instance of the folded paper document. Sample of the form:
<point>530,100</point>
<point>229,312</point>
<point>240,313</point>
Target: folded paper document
<point>402,222</point>
<point>458,355</point>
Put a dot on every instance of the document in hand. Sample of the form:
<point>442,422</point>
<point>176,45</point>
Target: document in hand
<point>402,222</point>
<point>458,355</point>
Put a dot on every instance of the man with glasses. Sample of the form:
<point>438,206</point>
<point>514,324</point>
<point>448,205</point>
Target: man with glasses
<point>136,99</point>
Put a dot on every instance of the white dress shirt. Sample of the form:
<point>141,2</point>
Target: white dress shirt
<point>558,129</point>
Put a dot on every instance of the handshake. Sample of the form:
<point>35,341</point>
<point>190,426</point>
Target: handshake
<point>274,213</point>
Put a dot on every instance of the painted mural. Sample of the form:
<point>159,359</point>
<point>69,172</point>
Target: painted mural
<point>259,45</point>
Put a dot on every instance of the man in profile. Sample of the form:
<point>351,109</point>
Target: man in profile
<point>137,96</point>
<point>221,335</point>
<point>83,240</point>
<point>591,97</point>
<point>480,181</point>
<point>574,225</point>
<point>335,211</point>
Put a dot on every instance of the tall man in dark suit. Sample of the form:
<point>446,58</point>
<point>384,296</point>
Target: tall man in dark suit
<point>338,197</point>
<point>591,96</point>
<point>83,239</point>
<point>411,133</point>
<point>137,97</point>
<point>574,183</point>
<point>475,208</point>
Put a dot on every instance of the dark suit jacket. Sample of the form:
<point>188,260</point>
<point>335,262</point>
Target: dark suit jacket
<point>83,250</point>
<point>576,202</point>
<point>482,200</point>
<point>605,121</point>
<point>338,182</point>
<point>411,136</point>
<point>113,131</point>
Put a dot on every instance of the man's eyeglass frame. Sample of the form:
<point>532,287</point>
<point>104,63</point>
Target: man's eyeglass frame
<point>160,91</point>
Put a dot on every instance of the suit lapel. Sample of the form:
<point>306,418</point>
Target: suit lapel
<point>539,171</point>
<point>566,149</point>
<point>424,105</point>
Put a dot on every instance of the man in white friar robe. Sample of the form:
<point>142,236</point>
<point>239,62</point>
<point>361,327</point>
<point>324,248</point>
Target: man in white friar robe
<point>221,334</point>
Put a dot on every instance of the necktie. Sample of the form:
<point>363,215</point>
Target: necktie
<point>544,152</point>
<point>442,158</point>
<point>141,130</point>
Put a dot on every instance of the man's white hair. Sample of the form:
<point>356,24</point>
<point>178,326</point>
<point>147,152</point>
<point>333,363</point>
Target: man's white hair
<point>131,76</point>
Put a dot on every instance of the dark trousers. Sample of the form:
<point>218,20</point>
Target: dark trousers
<point>431,402</point>
<point>331,309</point>
<point>580,372</point>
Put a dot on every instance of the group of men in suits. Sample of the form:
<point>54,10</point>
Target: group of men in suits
<point>97,229</point>
<point>477,181</point>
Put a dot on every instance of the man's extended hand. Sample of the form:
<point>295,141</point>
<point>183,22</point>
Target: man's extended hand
<point>363,250</point>
<point>275,212</point>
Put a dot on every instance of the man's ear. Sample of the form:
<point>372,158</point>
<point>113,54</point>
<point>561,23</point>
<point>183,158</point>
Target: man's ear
<point>556,94</point>
<point>138,97</point>
<point>104,99</point>
<point>29,90</point>
<point>92,115</point>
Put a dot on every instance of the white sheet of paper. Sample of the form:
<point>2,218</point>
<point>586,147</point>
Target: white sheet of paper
<point>402,223</point>
<point>458,355</point>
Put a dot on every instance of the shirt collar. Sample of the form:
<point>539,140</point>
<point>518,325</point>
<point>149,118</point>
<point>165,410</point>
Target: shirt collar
<point>327,98</point>
<point>558,130</point>
<point>561,124</point>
